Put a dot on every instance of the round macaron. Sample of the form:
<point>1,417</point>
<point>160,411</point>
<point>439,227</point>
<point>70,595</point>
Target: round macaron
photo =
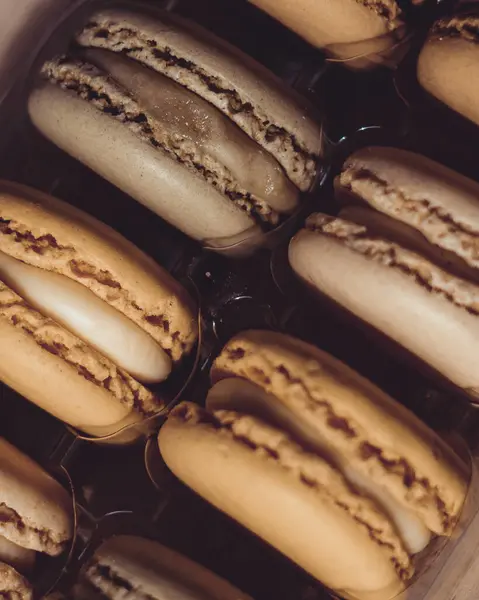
<point>184,123</point>
<point>318,462</point>
<point>402,256</point>
<point>129,566</point>
<point>447,64</point>
<point>86,318</point>
<point>36,515</point>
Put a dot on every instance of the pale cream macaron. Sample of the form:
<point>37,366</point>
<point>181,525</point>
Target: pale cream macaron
<point>86,319</point>
<point>130,567</point>
<point>402,256</point>
<point>318,462</point>
<point>36,515</point>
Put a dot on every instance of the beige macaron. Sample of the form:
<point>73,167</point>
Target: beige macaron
<point>447,65</point>
<point>84,314</point>
<point>131,567</point>
<point>318,462</point>
<point>200,120</point>
<point>36,515</point>
<point>409,266</point>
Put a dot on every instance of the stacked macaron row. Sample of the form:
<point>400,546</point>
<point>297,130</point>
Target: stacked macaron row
<point>36,516</point>
<point>183,122</point>
<point>402,256</point>
<point>319,462</point>
<point>88,322</point>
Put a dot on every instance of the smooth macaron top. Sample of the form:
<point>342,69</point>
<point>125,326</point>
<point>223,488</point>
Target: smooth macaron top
<point>36,511</point>
<point>378,436</point>
<point>47,233</point>
<point>267,110</point>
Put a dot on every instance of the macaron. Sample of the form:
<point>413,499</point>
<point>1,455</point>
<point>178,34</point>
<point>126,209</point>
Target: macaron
<point>345,28</point>
<point>35,516</point>
<point>134,567</point>
<point>86,319</point>
<point>402,256</point>
<point>319,462</point>
<point>186,124</point>
<point>447,64</point>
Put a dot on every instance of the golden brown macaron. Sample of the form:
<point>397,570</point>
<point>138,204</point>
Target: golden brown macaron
<point>447,65</point>
<point>36,515</point>
<point>84,314</point>
<point>402,256</point>
<point>216,144</point>
<point>319,462</point>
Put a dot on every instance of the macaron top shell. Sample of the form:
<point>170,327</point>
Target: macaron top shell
<point>380,437</point>
<point>36,511</point>
<point>47,233</point>
<point>273,115</point>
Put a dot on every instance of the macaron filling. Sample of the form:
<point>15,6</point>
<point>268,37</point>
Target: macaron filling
<point>81,312</point>
<point>246,397</point>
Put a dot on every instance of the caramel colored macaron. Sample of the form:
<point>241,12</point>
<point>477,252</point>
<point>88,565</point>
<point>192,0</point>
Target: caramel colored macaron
<point>86,318</point>
<point>318,462</point>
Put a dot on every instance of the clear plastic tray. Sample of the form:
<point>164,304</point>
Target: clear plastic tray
<point>127,489</point>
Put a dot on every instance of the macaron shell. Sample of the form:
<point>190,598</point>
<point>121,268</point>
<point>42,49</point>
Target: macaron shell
<point>447,69</point>
<point>417,319</point>
<point>161,183</point>
<point>40,504</point>
<point>154,570</point>
<point>55,236</point>
<point>208,59</point>
<point>439,203</point>
<point>55,370</point>
<point>322,22</point>
<point>376,435</point>
<point>300,509</point>
<point>13,585</point>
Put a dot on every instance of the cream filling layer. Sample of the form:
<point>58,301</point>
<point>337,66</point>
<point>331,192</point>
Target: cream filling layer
<point>90,318</point>
<point>243,396</point>
<point>21,559</point>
